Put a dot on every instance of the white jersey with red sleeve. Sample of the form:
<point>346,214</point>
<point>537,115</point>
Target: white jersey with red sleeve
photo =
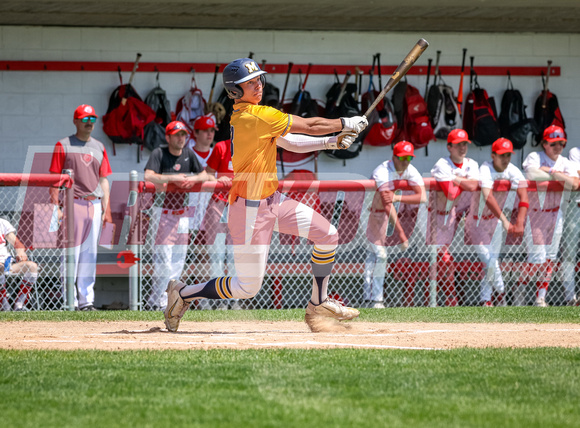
<point>574,156</point>
<point>446,170</point>
<point>385,174</point>
<point>5,229</point>
<point>536,160</point>
<point>540,159</point>
<point>488,175</point>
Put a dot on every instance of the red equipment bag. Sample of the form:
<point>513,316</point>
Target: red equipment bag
<point>416,123</point>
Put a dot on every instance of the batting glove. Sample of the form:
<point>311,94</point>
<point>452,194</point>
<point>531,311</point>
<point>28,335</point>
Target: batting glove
<point>355,123</point>
<point>341,141</point>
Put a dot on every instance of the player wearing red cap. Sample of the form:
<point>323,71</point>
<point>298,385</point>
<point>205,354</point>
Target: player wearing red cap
<point>457,177</point>
<point>178,165</point>
<point>570,244</point>
<point>384,212</point>
<point>487,223</point>
<point>88,160</point>
<point>543,235</point>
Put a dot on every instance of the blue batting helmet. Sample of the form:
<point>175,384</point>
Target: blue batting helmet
<point>239,71</point>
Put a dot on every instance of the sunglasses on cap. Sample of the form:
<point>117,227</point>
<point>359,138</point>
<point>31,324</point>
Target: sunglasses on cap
<point>87,119</point>
<point>405,158</point>
<point>558,143</point>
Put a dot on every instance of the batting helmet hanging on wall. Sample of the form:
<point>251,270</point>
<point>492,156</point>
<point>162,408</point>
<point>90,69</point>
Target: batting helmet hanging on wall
<point>239,71</point>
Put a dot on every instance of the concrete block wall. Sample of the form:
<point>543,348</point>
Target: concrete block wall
<point>36,107</point>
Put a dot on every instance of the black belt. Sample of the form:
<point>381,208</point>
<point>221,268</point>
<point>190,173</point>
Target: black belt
<point>255,204</point>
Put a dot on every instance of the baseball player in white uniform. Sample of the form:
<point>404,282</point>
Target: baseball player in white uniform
<point>88,159</point>
<point>487,224</point>
<point>22,266</point>
<point>383,212</point>
<point>457,177</point>
<point>570,243</point>
<point>546,214</point>
<point>178,165</point>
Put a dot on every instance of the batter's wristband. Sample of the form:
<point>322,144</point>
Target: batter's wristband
<point>342,121</point>
<point>523,205</point>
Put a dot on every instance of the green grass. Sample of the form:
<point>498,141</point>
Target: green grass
<point>295,388</point>
<point>556,314</point>
<point>291,388</point>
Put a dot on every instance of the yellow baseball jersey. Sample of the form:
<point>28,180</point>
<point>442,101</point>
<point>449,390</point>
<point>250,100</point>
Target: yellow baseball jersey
<point>254,130</point>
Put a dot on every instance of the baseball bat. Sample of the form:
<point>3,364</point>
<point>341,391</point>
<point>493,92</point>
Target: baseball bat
<point>290,64</point>
<point>471,58</point>
<point>378,56</point>
<point>460,91</point>
<point>217,67</point>
<point>358,78</point>
<point>401,70</point>
<point>545,94</point>
<point>306,77</point>
<point>342,88</point>
<point>124,99</point>
<point>428,76</point>
<point>304,83</point>
<point>436,67</point>
<point>134,68</point>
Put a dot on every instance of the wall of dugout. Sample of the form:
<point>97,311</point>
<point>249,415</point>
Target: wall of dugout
<point>457,254</point>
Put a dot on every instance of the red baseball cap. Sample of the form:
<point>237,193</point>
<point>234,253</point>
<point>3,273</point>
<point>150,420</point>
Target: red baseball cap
<point>501,146</point>
<point>205,122</point>
<point>554,133</point>
<point>84,110</point>
<point>457,136</point>
<point>404,148</point>
<point>174,127</point>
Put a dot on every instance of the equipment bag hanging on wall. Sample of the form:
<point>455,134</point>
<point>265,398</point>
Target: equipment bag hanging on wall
<point>191,105</point>
<point>382,121</point>
<point>513,121</point>
<point>479,117</point>
<point>546,109</point>
<point>154,132</point>
<point>127,115</point>
<point>411,111</point>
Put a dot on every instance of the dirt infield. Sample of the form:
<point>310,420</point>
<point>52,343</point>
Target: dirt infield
<point>125,335</point>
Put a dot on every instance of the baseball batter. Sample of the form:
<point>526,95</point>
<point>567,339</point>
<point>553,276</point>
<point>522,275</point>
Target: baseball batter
<point>457,176</point>
<point>487,226</point>
<point>543,234</point>
<point>256,207</point>
<point>388,173</point>
<point>22,266</point>
<point>88,159</point>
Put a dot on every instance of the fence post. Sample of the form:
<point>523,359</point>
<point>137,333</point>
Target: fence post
<point>134,299</point>
<point>70,243</point>
<point>433,276</point>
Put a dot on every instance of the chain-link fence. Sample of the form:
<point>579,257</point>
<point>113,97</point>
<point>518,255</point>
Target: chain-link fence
<point>457,253</point>
<point>26,205</point>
